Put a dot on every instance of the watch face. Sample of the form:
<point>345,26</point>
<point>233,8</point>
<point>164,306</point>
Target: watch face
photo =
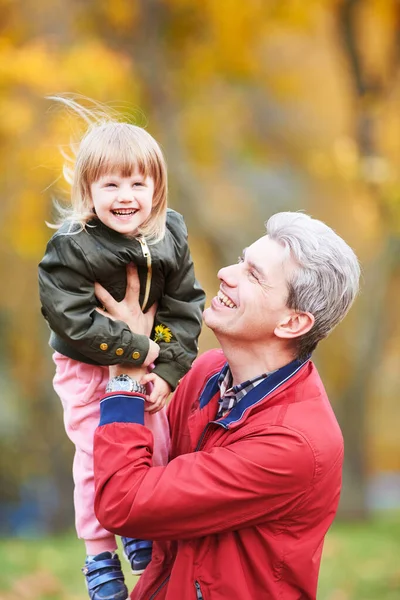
<point>121,383</point>
<point>125,385</point>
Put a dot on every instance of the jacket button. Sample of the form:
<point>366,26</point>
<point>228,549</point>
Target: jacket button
<point>104,346</point>
<point>135,355</point>
<point>119,351</point>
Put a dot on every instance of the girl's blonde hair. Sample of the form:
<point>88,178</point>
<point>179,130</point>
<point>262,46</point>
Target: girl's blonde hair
<point>108,146</point>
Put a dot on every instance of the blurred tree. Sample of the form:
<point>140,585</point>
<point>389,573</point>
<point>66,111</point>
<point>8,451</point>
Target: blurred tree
<point>372,84</point>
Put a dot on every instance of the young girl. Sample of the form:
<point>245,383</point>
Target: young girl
<point>119,215</point>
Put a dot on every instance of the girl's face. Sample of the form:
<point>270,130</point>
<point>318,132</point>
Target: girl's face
<point>123,203</point>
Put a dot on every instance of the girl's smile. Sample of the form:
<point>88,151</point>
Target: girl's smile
<point>123,203</point>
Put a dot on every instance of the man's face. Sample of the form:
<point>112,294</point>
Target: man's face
<point>251,301</point>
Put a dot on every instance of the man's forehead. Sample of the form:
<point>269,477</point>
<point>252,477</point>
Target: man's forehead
<point>265,254</point>
<point>264,247</point>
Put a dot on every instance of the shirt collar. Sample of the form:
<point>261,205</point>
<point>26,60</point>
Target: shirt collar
<point>231,395</point>
<point>225,381</point>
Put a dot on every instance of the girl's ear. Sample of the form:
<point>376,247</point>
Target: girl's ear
<point>294,325</point>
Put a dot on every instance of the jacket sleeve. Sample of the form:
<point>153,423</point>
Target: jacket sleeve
<point>254,479</point>
<point>180,310</point>
<point>66,286</point>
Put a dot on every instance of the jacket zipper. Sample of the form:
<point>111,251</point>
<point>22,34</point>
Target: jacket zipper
<point>199,595</point>
<point>159,588</point>
<point>202,437</point>
<point>147,255</point>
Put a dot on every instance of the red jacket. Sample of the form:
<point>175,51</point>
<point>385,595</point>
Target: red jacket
<point>242,508</point>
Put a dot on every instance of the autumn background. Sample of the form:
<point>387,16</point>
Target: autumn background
<point>260,106</point>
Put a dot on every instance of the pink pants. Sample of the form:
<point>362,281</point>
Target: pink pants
<point>80,388</point>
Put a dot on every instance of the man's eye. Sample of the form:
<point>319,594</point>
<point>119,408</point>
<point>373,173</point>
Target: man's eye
<point>240,259</point>
<point>253,275</point>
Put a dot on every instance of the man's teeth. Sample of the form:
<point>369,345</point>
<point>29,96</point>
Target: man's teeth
<point>225,300</point>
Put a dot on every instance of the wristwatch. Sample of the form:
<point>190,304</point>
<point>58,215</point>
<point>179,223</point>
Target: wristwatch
<point>124,383</point>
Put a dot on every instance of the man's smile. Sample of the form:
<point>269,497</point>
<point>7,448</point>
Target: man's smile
<point>225,300</point>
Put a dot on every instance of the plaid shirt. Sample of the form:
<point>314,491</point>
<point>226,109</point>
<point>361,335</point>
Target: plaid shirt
<point>231,395</point>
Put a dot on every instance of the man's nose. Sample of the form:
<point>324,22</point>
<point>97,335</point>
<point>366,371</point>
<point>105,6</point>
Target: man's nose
<point>228,275</point>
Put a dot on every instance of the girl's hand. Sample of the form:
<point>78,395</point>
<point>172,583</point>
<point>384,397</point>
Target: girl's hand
<point>158,395</point>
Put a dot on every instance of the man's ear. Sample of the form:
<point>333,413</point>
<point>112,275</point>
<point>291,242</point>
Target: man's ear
<point>294,325</point>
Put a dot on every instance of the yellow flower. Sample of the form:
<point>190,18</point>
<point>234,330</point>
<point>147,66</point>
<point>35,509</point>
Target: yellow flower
<point>162,334</point>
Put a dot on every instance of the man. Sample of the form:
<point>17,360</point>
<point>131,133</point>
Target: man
<point>254,477</point>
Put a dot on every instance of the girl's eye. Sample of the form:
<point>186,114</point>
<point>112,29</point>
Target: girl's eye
<point>110,184</point>
<point>138,184</point>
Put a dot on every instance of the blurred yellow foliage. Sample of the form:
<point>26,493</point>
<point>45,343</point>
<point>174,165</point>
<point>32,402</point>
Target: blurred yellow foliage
<point>92,67</point>
<point>32,66</point>
<point>257,108</point>
<point>120,15</point>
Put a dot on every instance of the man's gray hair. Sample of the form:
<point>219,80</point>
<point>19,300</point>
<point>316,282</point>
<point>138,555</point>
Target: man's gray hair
<point>327,278</point>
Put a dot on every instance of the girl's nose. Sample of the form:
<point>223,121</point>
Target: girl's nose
<point>126,193</point>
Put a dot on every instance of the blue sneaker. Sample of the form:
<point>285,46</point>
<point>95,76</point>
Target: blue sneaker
<point>104,578</point>
<point>137,553</point>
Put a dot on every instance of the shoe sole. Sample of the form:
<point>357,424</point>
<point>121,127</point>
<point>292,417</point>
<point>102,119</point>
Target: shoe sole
<point>125,594</point>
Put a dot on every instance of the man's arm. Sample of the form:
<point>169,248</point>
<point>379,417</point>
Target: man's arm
<point>252,479</point>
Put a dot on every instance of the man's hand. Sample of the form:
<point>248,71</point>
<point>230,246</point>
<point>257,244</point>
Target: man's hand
<point>158,395</point>
<point>129,311</point>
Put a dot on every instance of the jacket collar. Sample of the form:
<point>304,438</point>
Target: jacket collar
<point>254,396</point>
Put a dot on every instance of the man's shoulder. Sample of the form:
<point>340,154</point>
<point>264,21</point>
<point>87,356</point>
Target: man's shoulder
<point>186,396</point>
<point>310,414</point>
<point>210,362</point>
<point>205,366</point>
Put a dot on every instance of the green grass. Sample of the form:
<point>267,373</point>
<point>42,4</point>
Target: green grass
<point>46,569</point>
<point>361,561</point>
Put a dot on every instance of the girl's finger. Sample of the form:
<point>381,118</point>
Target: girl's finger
<point>155,407</point>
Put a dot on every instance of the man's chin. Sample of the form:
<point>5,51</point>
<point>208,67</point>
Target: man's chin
<point>207,316</point>
<point>210,318</point>
<point>213,322</point>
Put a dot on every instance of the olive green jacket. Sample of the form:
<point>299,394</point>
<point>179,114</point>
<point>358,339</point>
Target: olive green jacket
<point>74,261</point>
